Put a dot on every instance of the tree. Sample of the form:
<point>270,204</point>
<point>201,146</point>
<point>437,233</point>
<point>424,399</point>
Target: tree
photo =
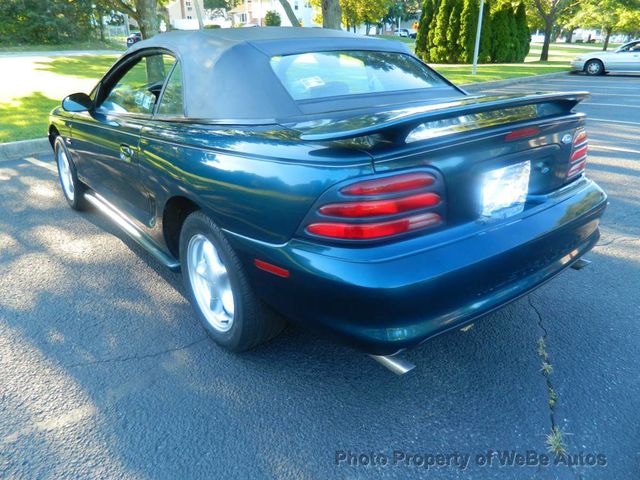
<point>439,50</point>
<point>144,12</point>
<point>605,14</point>
<point>501,35</point>
<point>522,31</point>
<point>45,21</point>
<point>468,29</point>
<point>514,44</point>
<point>568,20</point>
<point>220,4</point>
<point>549,10</point>
<point>453,33</point>
<point>401,10</point>
<point>272,19</point>
<point>331,14</point>
<point>371,12</point>
<point>429,8</point>
<point>630,22</point>
<point>486,39</point>
<point>350,14</point>
<point>291,16</point>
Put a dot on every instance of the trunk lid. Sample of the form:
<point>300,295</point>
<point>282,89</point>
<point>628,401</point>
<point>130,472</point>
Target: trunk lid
<point>463,139</point>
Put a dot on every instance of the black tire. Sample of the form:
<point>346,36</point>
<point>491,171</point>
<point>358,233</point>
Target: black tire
<point>253,322</point>
<point>75,200</point>
<point>594,67</point>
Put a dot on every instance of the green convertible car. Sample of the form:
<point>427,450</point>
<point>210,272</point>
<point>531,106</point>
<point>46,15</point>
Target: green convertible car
<point>330,179</point>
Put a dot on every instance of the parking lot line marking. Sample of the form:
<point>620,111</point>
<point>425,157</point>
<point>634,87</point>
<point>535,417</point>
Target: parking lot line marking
<point>622,122</point>
<point>586,86</point>
<point>595,146</point>
<point>40,163</point>
<point>626,95</point>
<point>610,105</point>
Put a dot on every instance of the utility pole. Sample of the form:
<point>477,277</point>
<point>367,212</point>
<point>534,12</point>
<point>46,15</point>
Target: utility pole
<point>476,50</point>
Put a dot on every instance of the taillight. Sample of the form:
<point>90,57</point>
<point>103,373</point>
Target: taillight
<point>368,231</point>
<point>379,208</point>
<point>578,159</point>
<point>400,183</point>
<point>374,208</point>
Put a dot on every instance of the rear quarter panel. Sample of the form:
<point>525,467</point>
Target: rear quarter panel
<point>258,182</point>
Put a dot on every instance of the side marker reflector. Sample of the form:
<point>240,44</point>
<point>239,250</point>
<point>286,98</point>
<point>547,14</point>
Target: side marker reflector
<point>268,267</point>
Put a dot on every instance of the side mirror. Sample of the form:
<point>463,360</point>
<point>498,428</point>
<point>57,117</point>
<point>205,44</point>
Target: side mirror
<point>77,102</point>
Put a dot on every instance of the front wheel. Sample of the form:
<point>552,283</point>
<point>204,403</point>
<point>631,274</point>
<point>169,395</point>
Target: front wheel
<point>218,288</point>
<point>594,67</point>
<point>72,188</point>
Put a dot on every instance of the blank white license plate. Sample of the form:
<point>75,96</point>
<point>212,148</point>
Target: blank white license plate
<point>504,190</point>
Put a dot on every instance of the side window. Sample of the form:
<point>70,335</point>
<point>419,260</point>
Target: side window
<point>137,91</point>
<point>171,102</point>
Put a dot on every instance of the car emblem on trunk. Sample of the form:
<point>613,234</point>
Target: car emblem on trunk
<point>567,138</point>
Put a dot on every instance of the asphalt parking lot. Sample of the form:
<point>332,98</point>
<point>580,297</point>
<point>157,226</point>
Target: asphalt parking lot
<point>105,373</point>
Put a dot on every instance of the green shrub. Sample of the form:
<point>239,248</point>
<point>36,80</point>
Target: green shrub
<point>522,31</point>
<point>486,39</point>
<point>439,50</point>
<point>454,41</point>
<point>272,19</point>
<point>424,28</point>
<point>468,30</point>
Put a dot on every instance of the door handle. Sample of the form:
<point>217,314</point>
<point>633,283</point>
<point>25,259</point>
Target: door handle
<point>126,153</point>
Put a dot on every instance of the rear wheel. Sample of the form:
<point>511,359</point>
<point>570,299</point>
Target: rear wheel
<point>594,67</point>
<point>218,288</point>
<point>72,188</point>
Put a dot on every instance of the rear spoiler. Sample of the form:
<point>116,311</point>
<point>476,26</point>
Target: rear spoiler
<point>406,118</point>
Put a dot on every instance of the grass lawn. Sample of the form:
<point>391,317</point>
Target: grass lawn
<point>37,85</point>
<point>91,45</point>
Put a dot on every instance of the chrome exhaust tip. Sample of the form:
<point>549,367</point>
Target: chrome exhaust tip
<point>397,365</point>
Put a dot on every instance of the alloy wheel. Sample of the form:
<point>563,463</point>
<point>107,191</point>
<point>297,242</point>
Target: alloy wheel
<point>210,283</point>
<point>66,176</point>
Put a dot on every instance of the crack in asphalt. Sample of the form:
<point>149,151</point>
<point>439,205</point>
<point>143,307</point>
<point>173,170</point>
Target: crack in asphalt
<point>135,357</point>
<point>547,377</point>
<point>620,238</point>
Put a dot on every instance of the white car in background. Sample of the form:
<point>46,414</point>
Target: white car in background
<point>623,59</point>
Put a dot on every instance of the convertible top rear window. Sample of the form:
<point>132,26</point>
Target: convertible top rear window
<point>314,75</point>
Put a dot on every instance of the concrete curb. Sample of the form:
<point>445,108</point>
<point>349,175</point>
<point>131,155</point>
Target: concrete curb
<point>23,148</point>
<point>511,81</point>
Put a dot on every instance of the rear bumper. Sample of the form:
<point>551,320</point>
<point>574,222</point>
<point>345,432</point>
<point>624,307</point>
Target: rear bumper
<point>387,298</point>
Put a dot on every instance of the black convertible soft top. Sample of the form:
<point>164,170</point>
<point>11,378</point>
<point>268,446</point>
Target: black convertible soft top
<point>227,74</point>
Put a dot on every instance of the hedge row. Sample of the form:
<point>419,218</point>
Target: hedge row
<point>447,32</point>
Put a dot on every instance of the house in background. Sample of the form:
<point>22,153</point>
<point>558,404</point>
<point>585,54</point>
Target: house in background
<point>252,12</point>
<point>183,16</point>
